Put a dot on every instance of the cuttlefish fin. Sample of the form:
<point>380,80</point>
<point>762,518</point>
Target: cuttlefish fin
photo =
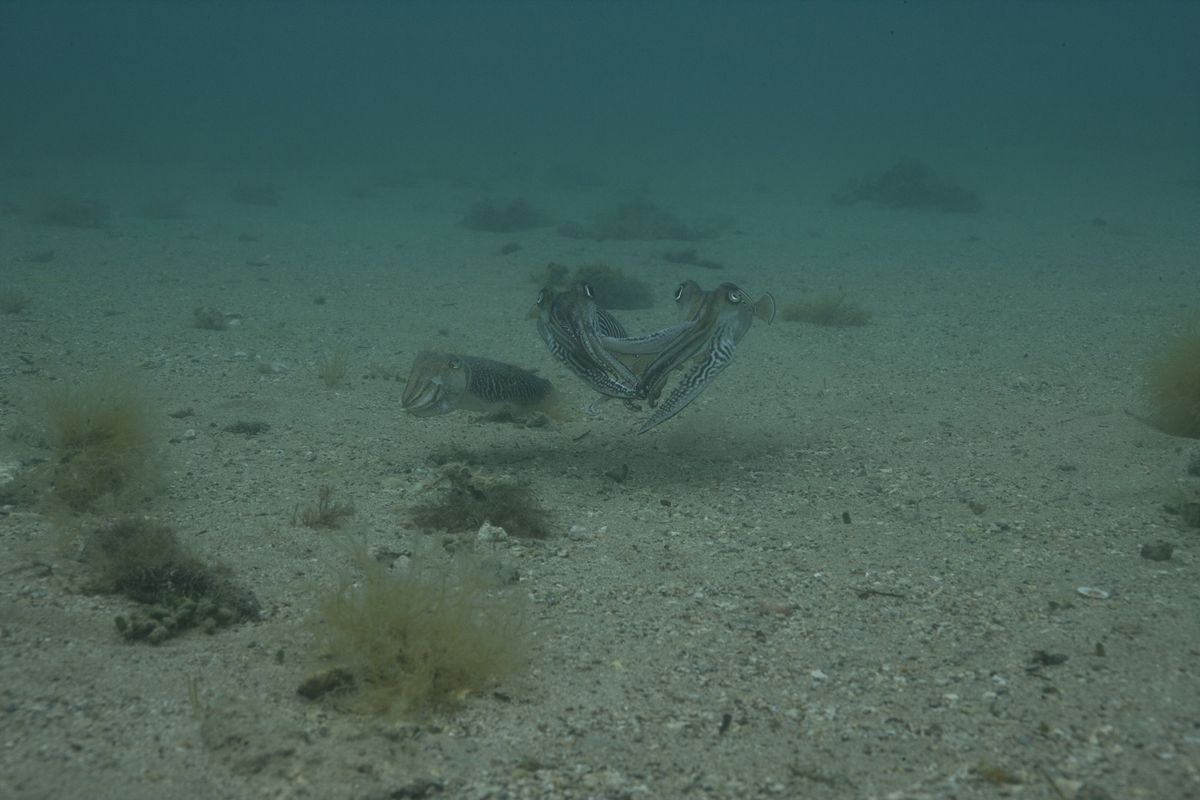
<point>764,308</point>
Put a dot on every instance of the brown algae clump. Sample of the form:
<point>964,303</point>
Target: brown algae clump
<point>1174,386</point>
<point>327,513</point>
<point>421,637</point>
<point>104,438</point>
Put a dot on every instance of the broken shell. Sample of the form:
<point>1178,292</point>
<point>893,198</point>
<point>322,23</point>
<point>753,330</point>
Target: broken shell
<point>491,533</point>
<point>1093,592</point>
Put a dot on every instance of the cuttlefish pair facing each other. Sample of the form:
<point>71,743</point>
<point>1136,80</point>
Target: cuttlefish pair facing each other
<point>594,345</point>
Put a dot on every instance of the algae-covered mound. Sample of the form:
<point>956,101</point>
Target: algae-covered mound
<point>418,637</point>
<point>146,562</point>
<point>910,184</point>
<point>469,498</point>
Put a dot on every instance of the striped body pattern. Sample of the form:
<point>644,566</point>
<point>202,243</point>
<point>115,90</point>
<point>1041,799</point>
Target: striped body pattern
<point>440,383</point>
<point>593,344</point>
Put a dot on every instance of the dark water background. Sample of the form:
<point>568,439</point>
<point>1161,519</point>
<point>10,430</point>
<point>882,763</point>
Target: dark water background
<point>669,85</point>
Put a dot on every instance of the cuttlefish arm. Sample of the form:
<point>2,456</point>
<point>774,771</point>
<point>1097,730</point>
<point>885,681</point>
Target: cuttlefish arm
<point>577,359</point>
<point>725,308</point>
<point>693,305</point>
<point>700,312</point>
<point>646,344</point>
<point>720,352</point>
<point>593,323</point>
<point>720,319</point>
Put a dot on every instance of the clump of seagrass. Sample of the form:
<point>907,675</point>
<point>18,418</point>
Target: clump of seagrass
<point>103,437</point>
<point>145,561</point>
<point>1173,385</point>
<point>327,513</point>
<point>333,368</point>
<point>418,637</point>
<point>469,498</point>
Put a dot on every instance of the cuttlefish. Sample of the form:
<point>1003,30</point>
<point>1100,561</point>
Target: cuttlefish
<point>443,382</point>
<point>572,324</point>
<point>713,324</point>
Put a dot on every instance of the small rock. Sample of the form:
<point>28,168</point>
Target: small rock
<point>1158,551</point>
<point>776,607</point>
<point>325,681</point>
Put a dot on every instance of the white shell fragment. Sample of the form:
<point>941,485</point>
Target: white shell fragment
<point>1093,592</point>
<point>491,533</point>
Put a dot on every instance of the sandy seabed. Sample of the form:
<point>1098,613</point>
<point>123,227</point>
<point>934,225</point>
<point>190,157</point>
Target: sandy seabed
<point>850,569</point>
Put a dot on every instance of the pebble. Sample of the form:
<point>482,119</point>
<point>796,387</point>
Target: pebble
<point>1158,551</point>
<point>1093,592</point>
<point>774,607</point>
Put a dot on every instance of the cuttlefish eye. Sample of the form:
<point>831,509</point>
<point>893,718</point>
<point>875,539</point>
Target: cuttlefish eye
<point>541,298</point>
<point>588,291</point>
<point>679,293</point>
<point>734,296</point>
<point>454,363</point>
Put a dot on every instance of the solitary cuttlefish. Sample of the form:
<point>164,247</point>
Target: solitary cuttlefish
<point>443,382</point>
